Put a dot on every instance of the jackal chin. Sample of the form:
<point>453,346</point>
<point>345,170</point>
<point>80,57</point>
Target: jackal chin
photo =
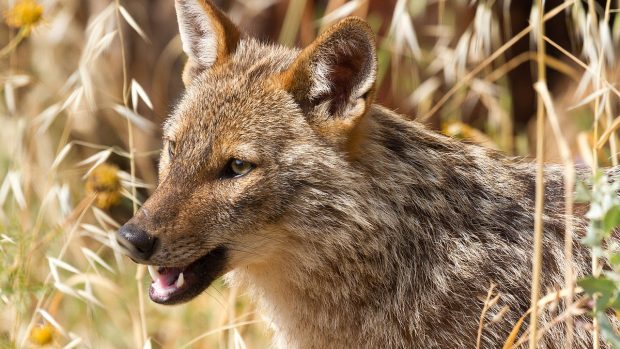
<point>175,285</point>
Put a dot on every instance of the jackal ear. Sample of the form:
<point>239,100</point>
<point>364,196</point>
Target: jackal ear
<point>208,36</point>
<point>337,72</point>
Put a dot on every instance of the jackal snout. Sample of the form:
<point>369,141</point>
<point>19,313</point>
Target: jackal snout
<point>138,243</point>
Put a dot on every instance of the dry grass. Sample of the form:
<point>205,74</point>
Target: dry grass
<point>85,87</point>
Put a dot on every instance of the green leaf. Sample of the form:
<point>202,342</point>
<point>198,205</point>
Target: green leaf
<point>611,219</point>
<point>601,287</point>
<point>607,331</point>
<point>582,193</point>
<point>614,259</point>
<point>592,237</point>
<point>614,303</point>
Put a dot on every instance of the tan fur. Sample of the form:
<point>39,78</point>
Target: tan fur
<point>357,228</point>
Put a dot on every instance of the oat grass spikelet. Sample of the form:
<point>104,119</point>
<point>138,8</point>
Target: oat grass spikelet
<point>106,185</point>
<point>25,14</point>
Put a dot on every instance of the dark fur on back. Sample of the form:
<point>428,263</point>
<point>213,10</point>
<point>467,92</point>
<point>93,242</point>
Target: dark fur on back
<point>407,237</point>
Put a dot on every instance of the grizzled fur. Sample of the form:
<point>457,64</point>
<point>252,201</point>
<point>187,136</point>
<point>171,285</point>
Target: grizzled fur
<point>357,227</point>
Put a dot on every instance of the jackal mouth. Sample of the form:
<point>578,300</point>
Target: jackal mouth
<point>174,285</point>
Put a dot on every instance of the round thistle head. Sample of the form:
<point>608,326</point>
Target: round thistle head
<point>42,335</point>
<point>105,184</point>
<point>24,14</point>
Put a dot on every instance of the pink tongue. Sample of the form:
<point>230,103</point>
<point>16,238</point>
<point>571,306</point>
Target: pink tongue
<point>167,277</point>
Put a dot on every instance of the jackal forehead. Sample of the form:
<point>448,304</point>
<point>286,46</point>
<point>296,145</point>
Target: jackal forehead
<point>238,94</point>
<point>224,103</point>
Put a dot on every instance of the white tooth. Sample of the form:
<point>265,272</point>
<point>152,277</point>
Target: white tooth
<point>180,281</point>
<point>153,272</point>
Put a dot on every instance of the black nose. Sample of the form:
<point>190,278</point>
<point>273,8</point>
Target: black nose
<point>139,243</point>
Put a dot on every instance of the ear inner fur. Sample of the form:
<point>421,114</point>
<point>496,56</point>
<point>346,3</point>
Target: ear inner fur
<point>208,36</point>
<point>338,68</point>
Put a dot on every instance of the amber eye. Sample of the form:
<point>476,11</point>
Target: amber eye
<point>237,168</point>
<point>171,148</point>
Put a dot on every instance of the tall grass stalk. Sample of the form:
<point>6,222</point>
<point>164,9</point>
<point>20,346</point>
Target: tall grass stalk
<point>140,270</point>
<point>569,189</point>
<point>540,180</point>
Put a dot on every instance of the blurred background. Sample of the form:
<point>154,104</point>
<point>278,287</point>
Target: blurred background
<point>86,85</point>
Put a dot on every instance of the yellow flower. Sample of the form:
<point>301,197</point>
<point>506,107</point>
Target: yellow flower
<point>106,185</point>
<point>42,334</point>
<point>25,14</point>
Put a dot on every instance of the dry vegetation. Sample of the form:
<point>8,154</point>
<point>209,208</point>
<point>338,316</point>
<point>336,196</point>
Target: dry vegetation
<point>86,83</point>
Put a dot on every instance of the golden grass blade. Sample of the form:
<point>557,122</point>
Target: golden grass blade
<point>6,239</point>
<point>130,196</point>
<point>96,159</point>
<point>99,21</point>
<point>132,22</point>
<point>18,80</point>
<point>137,93</point>
<point>543,91</point>
<point>56,263</point>
<point>62,288</point>
<point>590,98</point>
<point>140,121</point>
<point>290,27</point>
<point>239,343</point>
<point>585,150</point>
<point>540,180</point>
<point>608,132</point>
<point>102,283</point>
<point>14,181</point>
<point>93,229</point>
<point>344,10</point>
<point>217,330</point>
<point>94,259</point>
<point>9,97</point>
<point>403,32</point>
<point>424,91</point>
<point>102,45</point>
<point>47,117</point>
<point>89,297</point>
<point>49,318</point>
<point>104,219</point>
<point>74,343</point>
<point>4,190</point>
<point>569,186</point>
<point>485,308</point>
<point>61,155</point>
<point>74,99</point>
<point>131,182</point>
<point>512,337</point>
<point>500,314</point>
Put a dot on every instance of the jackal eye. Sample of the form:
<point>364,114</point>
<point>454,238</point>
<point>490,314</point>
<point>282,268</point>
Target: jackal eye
<point>237,168</point>
<point>171,148</point>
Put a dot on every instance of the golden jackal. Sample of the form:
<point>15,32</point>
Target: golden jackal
<point>352,226</point>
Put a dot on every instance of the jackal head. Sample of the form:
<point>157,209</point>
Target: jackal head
<point>258,128</point>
